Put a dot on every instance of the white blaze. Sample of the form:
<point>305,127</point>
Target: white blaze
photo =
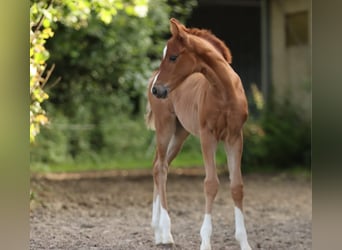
<point>156,76</point>
<point>154,80</point>
<point>164,51</point>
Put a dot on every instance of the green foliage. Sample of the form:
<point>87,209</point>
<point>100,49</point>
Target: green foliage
<point>280,138</point>
<point>51,146</point>
<point>102,68</point>
<point>182,9</point>
<point>38,75</point>
<point>75,14</point>
<point>289,140</point>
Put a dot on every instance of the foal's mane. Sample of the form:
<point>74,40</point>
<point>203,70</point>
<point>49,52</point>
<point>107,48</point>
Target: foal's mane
<point>211,38</point>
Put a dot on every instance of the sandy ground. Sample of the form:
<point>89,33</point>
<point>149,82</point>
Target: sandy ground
<point>114,212</point>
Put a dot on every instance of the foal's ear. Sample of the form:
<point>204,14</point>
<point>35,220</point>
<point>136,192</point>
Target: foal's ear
<point>177,29</point>
<point>174,26</point>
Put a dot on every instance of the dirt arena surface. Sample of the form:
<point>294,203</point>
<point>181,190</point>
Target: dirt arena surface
<point>109,211</point>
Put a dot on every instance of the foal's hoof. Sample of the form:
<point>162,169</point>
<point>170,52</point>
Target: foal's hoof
<point>245,246</point>
<point>164,243</point>
<point>164,239</point>
<point>167,239</point>
<point>166,246</point>
<point>205,246</point>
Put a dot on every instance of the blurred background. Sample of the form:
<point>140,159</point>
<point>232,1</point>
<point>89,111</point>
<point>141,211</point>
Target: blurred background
<point>90,62</point>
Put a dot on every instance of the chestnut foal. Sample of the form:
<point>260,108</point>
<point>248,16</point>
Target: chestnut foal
<point>196,91</point>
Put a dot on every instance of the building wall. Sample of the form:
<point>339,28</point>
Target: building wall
<point>291,52</point>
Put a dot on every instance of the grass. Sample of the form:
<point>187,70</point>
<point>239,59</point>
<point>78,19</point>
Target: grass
<point>191,156</point>
<point>120,163</point>
<point>88,166</point>
<point>183,160</point>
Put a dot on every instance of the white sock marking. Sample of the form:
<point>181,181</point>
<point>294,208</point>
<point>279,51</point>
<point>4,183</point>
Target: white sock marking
<point>165,227</point>
<point>155,212</point>
<point>161,223</point>
<point>206,230</point>
<point>155,220</point>
<point>240,230</point>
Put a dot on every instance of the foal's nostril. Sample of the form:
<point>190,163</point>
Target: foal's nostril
<point>164,93</point>
<point>154,91</point>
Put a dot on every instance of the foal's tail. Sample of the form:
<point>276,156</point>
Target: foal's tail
<point>149,117</point>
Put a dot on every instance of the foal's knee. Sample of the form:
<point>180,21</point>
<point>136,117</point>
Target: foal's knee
<point>211,186</point>
<point>236,190</point>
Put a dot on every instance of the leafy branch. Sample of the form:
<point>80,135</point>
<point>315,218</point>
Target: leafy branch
<point>74,14</point>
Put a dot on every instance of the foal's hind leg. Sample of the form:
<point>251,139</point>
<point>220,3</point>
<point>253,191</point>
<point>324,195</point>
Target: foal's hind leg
<point>176,142</point>
<point>211,183</point>
<point>234,151</point>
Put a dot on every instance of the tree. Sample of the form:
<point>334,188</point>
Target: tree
<point>75,14</point>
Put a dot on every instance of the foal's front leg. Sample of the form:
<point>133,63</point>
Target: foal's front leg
<point>161,222</point>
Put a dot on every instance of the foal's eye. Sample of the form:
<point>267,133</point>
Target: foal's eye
<point>173,58</point>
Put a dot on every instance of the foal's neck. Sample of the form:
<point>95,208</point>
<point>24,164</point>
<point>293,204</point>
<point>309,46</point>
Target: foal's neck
<point>214,66</point>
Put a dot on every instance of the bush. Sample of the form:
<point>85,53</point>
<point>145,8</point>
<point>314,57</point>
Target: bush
<point>280,138</point>
<point>52,144</point>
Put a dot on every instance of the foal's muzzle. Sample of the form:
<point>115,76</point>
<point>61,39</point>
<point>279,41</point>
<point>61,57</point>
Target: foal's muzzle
<point>160,91</point>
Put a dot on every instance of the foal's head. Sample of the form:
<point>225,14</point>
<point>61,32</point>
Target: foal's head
<point>178,62</point>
